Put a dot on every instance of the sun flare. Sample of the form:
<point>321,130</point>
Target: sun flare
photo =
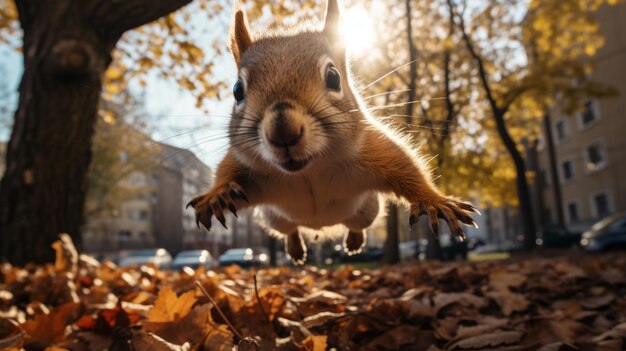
<point>358,30</point>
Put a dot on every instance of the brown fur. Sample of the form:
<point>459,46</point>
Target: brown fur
<point>348,155</point>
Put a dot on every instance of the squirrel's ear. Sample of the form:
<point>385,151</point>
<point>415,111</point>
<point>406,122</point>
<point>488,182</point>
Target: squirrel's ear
<point>240,39</point>
<point>332,21</point>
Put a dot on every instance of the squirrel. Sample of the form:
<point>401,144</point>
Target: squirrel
<point>303,146</point>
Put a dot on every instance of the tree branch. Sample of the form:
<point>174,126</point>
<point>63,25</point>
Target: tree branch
<point>482,72</point>
<point>119,16</point>
<point>412,58</point>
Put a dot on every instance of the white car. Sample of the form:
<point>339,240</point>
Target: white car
<point>159,257</point>
<point>193,259</point>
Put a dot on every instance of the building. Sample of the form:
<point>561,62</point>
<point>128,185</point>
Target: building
<point>590,145</point>
<point>155,214</point>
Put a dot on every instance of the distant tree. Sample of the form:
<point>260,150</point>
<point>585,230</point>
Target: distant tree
<point>121,147</point>
<point>527,55</point>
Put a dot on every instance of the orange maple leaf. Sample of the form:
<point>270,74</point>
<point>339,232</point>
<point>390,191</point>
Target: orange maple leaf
<point>169,308</point>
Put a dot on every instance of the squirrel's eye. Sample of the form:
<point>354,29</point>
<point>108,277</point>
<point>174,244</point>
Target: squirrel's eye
<point>333,78</point>
<point>238,91</point>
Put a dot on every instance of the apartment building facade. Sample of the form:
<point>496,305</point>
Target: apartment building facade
<point>590,144</point>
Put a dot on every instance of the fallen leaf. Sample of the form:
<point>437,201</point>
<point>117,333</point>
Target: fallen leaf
<point>509,302</point>
<point>150,342</point>
<point>169,308</point>
<point>493,339</point>
<point>51,327</point>
<point>597,302</point>
<point>503,280</point>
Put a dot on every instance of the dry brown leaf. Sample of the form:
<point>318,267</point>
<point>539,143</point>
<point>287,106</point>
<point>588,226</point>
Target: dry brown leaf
<point>618,332</point>
<point>150,342</point>
<point>220,339</point>
<point>597,302</point>
<point>169,308</point>
<point>509,302</point>
<point>493,339</point>
<point>465,299</point>
<point>11,336</point>
<point>51,327</point>
<point>322,296</point>
<point>192,328</point>
<point>321,318</point>
<point>315,343</point>
<point>401,337</point>
<point>503,280</point>
<point>66,254</point>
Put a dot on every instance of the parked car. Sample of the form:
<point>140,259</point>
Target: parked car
<point>409,250</point>
<point>368,254</point>
<point>608,234</point>
<point>193,259</point>
<point>452,248</point>
<point>556,238</point>
<point>159,257</point>
<point>245,257</point>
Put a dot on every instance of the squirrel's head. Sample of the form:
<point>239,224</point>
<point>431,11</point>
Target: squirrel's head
<point>294,102</point>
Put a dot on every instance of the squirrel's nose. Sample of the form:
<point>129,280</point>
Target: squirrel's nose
<point>283,135</point>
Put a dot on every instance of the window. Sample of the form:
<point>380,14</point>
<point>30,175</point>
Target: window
<point>594,157</point>
<point>561,130</point>
<point>601,204</point>
<point>589,114</point>
<point>143,215</point>
<point>124,235</point>
<point>572,211</point>
<point>567,170</point>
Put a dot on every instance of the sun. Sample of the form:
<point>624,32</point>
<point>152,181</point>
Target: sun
<point>358,30</point>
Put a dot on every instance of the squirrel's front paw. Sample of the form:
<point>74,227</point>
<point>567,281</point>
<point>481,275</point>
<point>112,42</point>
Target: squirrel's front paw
<point>216,202</point>
<point>449,209</point>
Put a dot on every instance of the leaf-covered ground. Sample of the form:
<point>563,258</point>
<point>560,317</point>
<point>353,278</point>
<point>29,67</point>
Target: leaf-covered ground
<point>576,302</point>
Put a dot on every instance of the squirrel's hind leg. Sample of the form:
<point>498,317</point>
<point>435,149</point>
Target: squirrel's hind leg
<point>296,248</point>
<point>294,243</point>
<point>355,240</point>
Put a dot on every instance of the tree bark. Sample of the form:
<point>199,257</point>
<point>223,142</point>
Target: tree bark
<point>391,250</point>
<point>554,175</point>
<point>67,47</point>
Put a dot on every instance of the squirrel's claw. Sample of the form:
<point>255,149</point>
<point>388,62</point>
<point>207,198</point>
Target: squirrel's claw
<point>451,210</point>
<point>216,202</point>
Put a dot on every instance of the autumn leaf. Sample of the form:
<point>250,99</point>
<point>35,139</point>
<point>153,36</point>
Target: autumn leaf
<point>220,339</point>
<point>315,343</point>
<point>492,340</point>
<point>503,280</point>
<point>66,255</point>
<point>50,327</point>
<point>169,308</point>
<point>151,342</point>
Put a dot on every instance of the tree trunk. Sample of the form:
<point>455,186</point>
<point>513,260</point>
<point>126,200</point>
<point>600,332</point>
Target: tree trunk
<point>554,175</point>
<point>391,251</point>
<point>523,191</point>
<point>67,48</point>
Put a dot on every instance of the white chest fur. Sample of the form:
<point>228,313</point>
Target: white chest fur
<point>318,199</point>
